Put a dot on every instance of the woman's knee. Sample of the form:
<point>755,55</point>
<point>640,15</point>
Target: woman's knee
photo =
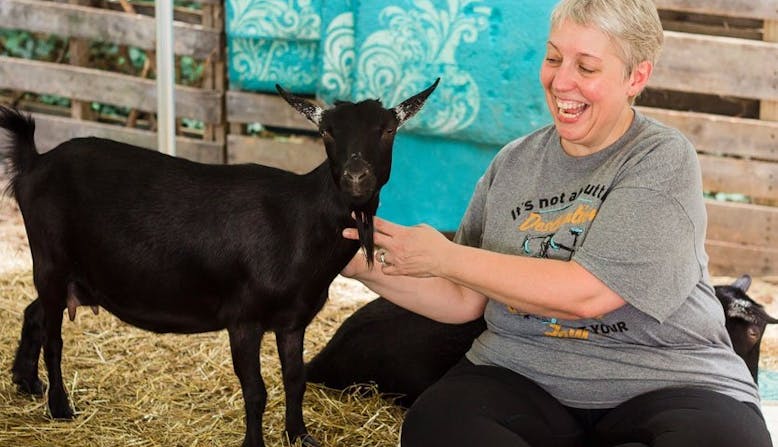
<point>682,417</point>
<point>433,421</point>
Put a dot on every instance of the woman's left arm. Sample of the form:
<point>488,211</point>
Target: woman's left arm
<point>548,287</point>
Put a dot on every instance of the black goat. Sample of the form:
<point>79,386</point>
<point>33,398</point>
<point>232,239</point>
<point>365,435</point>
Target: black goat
<point>746,321</point>
<point>169,245</point>
<point>403,353</point>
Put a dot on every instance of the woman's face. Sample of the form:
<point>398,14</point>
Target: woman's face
<point>587,87</point>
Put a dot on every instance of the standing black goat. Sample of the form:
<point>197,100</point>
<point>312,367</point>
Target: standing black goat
<point>170,245</point>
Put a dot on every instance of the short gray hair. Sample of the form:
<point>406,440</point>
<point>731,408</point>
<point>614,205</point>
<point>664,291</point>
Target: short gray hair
<point>633,25</point>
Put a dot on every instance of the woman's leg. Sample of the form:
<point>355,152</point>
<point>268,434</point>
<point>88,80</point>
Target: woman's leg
<point>488,406</point>
<point>683,417</point>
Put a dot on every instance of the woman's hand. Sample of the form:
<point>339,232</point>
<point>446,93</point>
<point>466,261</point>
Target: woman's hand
<point>411,251</point>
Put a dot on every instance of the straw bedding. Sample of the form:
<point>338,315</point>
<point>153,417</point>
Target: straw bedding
<point>135,388</point>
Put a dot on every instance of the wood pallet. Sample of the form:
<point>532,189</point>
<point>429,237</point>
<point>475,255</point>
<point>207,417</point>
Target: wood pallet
<point>726,50</point>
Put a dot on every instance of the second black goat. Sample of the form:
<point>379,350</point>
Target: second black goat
<point>403,353</point>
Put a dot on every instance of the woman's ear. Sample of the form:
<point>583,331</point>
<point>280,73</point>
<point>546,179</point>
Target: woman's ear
<point>639,78</point>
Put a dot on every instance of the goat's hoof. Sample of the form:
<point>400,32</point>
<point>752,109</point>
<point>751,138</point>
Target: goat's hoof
<point>61,412</point>
<point>32,387</point>
<point>63,416</point>
<point>307,440</point>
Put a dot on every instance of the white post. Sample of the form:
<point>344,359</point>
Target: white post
<point>166,110</point>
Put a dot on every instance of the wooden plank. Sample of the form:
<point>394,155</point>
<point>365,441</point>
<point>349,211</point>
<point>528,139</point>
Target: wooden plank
<point>768,110</point>
<point>717,65</point>
<point>743,223</point>
<point>757,179</point>
<point>757,9</point>
<point>270,110</point>
<point>299,155</point>
<point>88,84</point>
<point>685,26</point>
<point>718,134</point>
<point>53,130</point>
<point>180,14</point>
<point>728,259</point>
<point>104,25</point>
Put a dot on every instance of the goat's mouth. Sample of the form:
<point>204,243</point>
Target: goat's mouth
<point>358,193</point>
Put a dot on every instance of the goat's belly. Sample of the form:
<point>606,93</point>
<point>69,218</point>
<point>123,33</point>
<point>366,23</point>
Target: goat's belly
<point>179,321</point>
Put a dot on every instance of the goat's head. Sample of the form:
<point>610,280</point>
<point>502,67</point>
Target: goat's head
<point>358,138</point>
<point>746,320</point>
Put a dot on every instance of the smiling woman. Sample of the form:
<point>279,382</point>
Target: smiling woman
<point>625,255</point>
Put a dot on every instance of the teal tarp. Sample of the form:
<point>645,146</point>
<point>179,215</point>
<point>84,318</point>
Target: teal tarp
<point>486,52</point>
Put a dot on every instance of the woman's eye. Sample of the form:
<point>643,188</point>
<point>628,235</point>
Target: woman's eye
<point>586,69</point>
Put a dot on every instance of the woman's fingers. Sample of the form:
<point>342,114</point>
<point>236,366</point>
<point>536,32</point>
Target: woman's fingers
<point>350,233</point>
<point>386,227</point>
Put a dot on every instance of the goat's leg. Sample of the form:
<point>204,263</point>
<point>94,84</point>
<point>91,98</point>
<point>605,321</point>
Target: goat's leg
<point>244,345</point>
<point>25,367</point>
<point>59,406</point>
<point>290,350</point>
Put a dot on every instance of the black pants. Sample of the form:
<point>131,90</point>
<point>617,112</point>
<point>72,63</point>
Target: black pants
<point>487,406</point>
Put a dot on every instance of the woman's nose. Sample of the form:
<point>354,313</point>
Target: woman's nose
<point>564,78</point>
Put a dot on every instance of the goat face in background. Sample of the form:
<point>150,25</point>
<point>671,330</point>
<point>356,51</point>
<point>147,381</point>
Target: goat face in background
<point>360,174</point>
<point>746,321</point>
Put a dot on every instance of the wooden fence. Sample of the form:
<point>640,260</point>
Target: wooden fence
<point>717,51</point>
<point>130,26</point>
<point>710,56</point>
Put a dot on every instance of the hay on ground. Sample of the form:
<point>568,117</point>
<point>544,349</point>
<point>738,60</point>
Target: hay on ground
<point>134,388</point>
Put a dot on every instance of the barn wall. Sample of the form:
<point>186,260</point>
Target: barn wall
<point>716,81</point>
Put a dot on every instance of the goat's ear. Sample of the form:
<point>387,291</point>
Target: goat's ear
<point>305,107</point>
<point>410,106</point>
<point>742,283</point>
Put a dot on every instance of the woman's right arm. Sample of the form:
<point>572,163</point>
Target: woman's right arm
<point>435,298</point>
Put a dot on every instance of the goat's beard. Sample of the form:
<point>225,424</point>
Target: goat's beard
<point>365,229</point>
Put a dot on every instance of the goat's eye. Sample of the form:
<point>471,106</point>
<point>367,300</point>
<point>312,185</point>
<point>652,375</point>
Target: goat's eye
<point>389,131</point>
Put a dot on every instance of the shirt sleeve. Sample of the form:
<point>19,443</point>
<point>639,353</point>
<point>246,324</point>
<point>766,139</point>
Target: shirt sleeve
<point>470,231</point>
<point>471,228</point>
<point>642,245</point>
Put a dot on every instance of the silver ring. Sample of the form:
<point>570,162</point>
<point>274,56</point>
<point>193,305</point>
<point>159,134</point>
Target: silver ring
<point>382,257</point>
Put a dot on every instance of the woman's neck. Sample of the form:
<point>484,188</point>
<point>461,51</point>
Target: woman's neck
<point>620,128</point>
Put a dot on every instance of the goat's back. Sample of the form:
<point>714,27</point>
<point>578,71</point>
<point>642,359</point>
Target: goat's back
<point>401,352</point>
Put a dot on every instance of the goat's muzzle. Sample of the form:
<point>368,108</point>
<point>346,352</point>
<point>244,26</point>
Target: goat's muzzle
<point>358,180</point>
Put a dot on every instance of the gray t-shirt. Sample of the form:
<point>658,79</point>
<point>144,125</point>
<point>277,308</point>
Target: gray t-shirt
<point>633,215</point>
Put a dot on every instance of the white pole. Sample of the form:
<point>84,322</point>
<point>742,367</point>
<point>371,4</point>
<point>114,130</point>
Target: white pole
<point>166,110</point>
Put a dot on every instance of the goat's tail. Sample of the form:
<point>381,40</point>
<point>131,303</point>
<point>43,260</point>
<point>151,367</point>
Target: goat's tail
<point>19,153</point>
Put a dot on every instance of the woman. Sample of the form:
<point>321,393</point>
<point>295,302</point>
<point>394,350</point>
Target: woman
<point>583,248</point>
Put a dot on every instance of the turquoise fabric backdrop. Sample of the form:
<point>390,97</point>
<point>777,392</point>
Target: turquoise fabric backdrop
<point>486,52</point>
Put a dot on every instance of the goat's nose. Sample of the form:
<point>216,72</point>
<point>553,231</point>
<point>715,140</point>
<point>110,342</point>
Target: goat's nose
<point>356,176</point>
<point>356,169</point>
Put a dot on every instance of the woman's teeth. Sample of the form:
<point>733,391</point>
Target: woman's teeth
<point>570,109</point>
